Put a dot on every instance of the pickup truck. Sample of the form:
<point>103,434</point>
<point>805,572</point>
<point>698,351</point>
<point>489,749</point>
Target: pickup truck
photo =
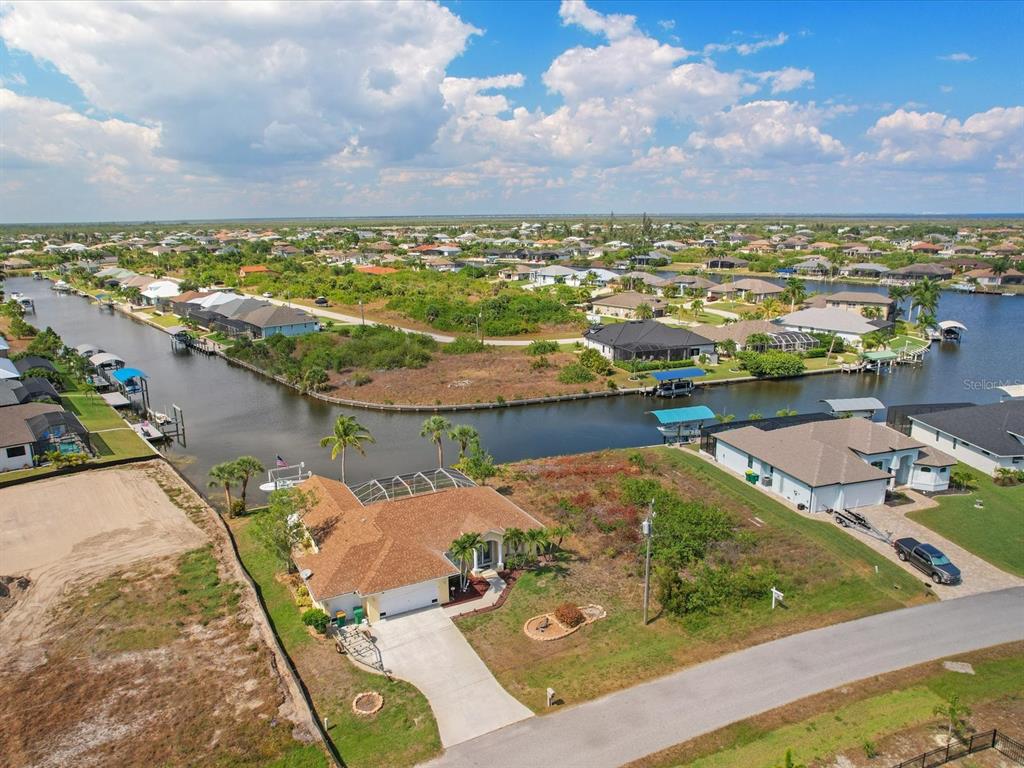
<point>927,558</point>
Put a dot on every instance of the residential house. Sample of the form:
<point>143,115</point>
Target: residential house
<point>830,464</point>
<point>386,553</point>
<point>755,290</point>
<point>160,291</point>
<point>624,305</point>
<point>858,301</point>
<point>915,272</point>
<point>778,338</point>
<point>816,265</point>
<point>655,283</point>
<point>647,340</point>
<point>989,279</point>
<point>28,390</point>
<point>927,249</point>
<point>725,262</point>
<point>986,437</point>
<point>32,429</point>
<point>254,269</point>
<point>8,370</point>
<point>556,274</point>
<point>517,273</point>
<point>848,326</point>
<point>863,269</point>
<point>270,319</point>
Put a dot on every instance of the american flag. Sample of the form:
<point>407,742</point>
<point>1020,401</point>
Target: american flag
<point>280,462</point>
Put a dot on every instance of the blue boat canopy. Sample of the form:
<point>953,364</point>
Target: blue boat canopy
<point>125,374</point>
<point>677,373</point>
<point>681,415</point>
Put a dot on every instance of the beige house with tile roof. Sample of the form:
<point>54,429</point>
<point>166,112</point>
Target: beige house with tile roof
<point>390,555</point>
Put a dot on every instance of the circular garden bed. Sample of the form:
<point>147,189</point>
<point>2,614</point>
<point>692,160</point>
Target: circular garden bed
<point>367,703</point>
<point>562,622</point>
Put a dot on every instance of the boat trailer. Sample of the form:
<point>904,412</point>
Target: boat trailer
<point>847,518</point>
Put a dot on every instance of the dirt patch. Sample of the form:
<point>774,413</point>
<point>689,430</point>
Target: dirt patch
<point>137,642</point>
<point>480,377</point>
<point>12,588</point>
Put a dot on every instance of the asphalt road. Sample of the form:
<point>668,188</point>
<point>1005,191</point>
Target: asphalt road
<point>627,725</point>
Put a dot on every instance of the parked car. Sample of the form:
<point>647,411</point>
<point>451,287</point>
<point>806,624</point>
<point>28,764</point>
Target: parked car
<point>320,301</point>
<point>268,295</point>
<point>928,559</point>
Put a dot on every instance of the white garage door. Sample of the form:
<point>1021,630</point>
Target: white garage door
<point>404,599</point>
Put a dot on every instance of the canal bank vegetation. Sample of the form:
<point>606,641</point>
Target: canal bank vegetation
<point>879,721</point>
<point>379,364</point>
<point>720,546</point>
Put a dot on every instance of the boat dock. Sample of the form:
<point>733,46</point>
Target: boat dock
<point>182,340</point>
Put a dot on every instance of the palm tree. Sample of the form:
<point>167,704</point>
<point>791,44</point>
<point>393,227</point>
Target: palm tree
<point>696,307</point>
<point>754,416</point>
<point>724,418</point>
<point>926,295</point>
<point>795,293</point>
<point>348,433</point>
<point>513,540</point>
<point>434,429</point>
<point>462,550</point>
<point>770,307</point>
<point>247,466</point>
<point>558,533</point>
<point>644,311</point>
<point>224,475</point>
<point>465,436</point>
<point>786,412</point>
<point>537,540</point>
<point>898,293</point>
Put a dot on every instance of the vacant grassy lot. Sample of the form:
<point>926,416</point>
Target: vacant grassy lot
<point>827,576</point>
<point>995,532</point>
<point>403,733</point>
<point>893,714</point>
<point>151,666</point>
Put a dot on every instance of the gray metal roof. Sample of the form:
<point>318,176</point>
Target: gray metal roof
<point>990,427</point>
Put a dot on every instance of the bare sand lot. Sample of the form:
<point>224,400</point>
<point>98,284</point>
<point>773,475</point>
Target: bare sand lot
<point>58,532</point>
<point>137,641</point>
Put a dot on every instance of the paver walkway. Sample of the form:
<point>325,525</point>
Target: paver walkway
<point>630,724</point>
<point>425,648</point>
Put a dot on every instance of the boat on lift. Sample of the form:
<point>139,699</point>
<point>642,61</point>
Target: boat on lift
<point>285,476</point>
<point>61,287</point>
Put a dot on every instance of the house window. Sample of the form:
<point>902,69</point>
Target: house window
<point>750,462</point>
<point>878,464</point>
<point>17,450</point>
<point>926,469</point>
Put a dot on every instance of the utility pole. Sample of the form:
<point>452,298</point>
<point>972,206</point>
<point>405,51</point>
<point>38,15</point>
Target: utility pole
<point>647,528</point>
<point>362,315</point>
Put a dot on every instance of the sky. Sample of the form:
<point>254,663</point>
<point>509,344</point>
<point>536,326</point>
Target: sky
<point>170,110</point>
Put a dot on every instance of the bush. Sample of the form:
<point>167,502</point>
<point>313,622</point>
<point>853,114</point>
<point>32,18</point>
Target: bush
<point>575,373</point>
<point>540,364</point>
<point>541,347</point>
<point>569,615</point>
<point>317,619</point>
<point>772,364</point>
<point>361,379</point>
<point>594,361</point>
<point>464,345</point>
<point>963,478</point>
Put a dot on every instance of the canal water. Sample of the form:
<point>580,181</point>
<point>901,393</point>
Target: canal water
<point>230,411</point>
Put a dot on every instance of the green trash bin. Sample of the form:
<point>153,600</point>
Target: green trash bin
<point>339,619</point>
<point>357,616</point>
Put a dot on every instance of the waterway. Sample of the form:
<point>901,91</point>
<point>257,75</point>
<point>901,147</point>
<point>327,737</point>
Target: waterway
<point>230,411</point>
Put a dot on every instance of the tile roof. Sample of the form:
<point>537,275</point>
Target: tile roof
<point>859,297</point>
<point>823,452</point>
<point>629,300</point>
<point>390,544</point>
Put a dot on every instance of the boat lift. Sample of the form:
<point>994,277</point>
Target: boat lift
<point>280,478</point>
<point>683,424</point>
<point>675,382</point>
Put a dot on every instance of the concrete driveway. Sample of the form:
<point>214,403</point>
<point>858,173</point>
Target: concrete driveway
<point>426,649</point>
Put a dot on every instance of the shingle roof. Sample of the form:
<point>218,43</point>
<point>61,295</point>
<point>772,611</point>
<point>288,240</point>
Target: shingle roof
<point>272,316</point>
<point>647,335</point>
<point>990,427</point>
<point>629,300</point>
<point>390,544</point>
<point>859,297</point>
<point>755,285</point>
<point>829,319</point>
<point>823,452</point>
<point>14,426</point>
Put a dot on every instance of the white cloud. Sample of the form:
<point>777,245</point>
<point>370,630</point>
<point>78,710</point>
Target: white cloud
<point>667,24</point>
<point>787,79</point>
<point>747,49</point>
<point>958,57</point>
<point>611,25</point>
<point>946,88</point>
<point>992,140</point>
<point>769,131</point>
<point>244,85</point>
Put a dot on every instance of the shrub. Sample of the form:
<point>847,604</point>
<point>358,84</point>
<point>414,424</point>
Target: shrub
<point>541,347</point>
<point>961,477</point>
<point>316,618</point>
<point>361,379</point>
<point>540,364</point>
<point>464,345</point>
<point>575,373</point>
<point>870,750</point>
<point>772,364</point>
<point>569,615</point>
<point>594,361</point>
<point>610,384</point>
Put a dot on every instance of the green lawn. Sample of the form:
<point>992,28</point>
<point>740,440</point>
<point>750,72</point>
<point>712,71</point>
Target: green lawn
<point>828,577</point>
<point>164,321</point>
<point>995,533</point>
<point>818,739</point>
<point>403,733</point>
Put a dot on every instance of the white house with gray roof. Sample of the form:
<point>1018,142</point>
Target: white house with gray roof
<point>986,437</point>
<point>832,464</point>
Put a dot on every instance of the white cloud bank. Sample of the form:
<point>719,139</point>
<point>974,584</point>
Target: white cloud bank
<point>210,109</point>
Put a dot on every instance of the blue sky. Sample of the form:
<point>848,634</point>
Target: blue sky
<point>132,110</point>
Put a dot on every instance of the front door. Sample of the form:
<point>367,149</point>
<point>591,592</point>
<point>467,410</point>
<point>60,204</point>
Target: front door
<point>486,557</point>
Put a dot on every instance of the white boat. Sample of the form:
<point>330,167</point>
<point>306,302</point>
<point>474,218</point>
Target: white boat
<point>1009,293</point>
<point>280,477</point>
<point>964,287</point>
<point>61,286</point>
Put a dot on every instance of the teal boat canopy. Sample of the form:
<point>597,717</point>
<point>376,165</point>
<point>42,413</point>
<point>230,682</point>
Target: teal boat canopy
<point>682,415</point>
<point>677,373</point>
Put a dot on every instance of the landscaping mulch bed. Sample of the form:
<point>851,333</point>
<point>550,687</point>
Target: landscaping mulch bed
<point>476,589</point>
<point>367,703</point>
